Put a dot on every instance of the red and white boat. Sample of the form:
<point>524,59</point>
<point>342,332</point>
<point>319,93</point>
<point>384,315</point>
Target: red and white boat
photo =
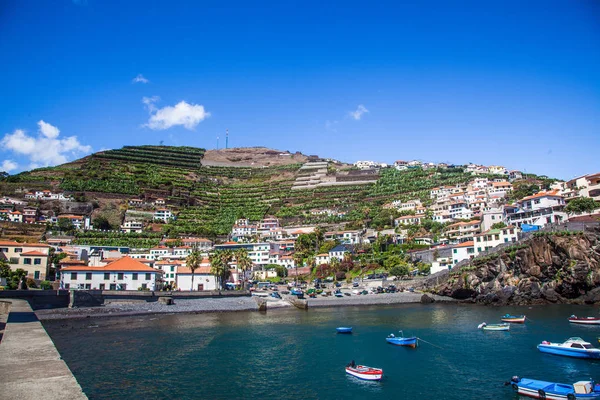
<point>364,372</point>
<point>584,320</point>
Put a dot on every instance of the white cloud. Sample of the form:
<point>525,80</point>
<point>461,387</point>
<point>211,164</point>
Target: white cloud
<point>149,102</point>
<point>8,165</point>
<point>139,79</point>
<point>331,125</point>
<point>46,149</point>
<point>48,130</point>
<point>357,115</point>
<point>183,113</point>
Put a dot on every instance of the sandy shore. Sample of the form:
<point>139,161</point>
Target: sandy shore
<point>225,305</point>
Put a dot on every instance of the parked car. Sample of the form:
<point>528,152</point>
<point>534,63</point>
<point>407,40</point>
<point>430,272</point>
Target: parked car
<point>338,284</point>
<point>355,284</point>
<point>276,295</point>
<point>297,292</point>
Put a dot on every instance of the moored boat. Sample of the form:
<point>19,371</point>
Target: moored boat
<point>554,391</point>
<point>364,372</point>
<point>515,319</point>
<point>494,327</point>
<point>573,347</point>
<point>402,340</point>
<point>584,320</point>
<point>344,329</point>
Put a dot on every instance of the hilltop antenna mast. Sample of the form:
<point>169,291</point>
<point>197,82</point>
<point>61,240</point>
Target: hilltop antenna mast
<point>226,138</point>
<point>217,143</point>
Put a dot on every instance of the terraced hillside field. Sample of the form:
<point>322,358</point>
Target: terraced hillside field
<point>208,199</point>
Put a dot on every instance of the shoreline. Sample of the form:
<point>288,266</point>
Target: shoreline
<point>224,305</point>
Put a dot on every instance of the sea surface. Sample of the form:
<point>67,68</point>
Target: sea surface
<point>291,354</point>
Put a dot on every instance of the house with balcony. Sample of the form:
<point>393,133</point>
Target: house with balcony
<point>163,215</point>
<point>345,237</point>
<point>132,227</point>
<point>408,220</point>
<point>169,270</point>
<point>257,252</point>
<point>540,209</point>
<point>340,251</point>
<point>585,186</point>
<point>463,231</point>
<point>322,258</point>
<point>122,274</point>
<point>30,215</point>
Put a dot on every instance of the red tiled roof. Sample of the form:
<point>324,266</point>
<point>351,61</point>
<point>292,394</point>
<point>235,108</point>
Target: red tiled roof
<point>199,270</point>
<point>34,253</point>
<point>553,193</point>
<point>466,244</point>
<point>125,264</point>
<point>11,243</point>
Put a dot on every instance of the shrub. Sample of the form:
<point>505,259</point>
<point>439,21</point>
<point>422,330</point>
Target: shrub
<point>46,285</point>
<point>31,283</point>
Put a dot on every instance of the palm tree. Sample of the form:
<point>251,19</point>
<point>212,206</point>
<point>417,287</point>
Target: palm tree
<point>244,263</point>
<point>298,257</point>
<point>335,266</point>
<point>193,262</point>
<point>216,267</point>
<point>226,258</point>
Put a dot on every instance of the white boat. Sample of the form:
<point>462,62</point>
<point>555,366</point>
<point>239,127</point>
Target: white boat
<point>364,372</point>
<point>494,327</point>
<point>584,320</point>
<point>574,347</point>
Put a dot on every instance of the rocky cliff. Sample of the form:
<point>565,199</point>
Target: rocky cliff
<point>550,267</point>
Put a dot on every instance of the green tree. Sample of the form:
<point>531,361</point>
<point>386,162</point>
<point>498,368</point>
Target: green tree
<point>193,262</point>
<point>582,205</point>
<point>217,267</point>
<point>244,263</point>
<point>400,271</point>
<point>498,225</point>
<point>65,225</point>
<point>393,261</point>
<point>5,270</point>
<point>102,223</point>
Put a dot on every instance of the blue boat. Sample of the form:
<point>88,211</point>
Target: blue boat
<point>551,390</point>
<point>401,340</point>
<point>573,347</point>
<point>344,329</point>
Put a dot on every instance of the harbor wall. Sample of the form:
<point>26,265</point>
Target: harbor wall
<point>30,367</point>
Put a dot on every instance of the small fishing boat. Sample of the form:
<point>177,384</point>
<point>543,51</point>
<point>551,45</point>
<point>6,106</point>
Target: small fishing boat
<point>344,329</point>
<point>551,390</point>
<point>401,340</point>
<point>584,320</point>
<point>364,372</point>
<point>573,347</point>
<point>494,327</point>
<point>515,319</point>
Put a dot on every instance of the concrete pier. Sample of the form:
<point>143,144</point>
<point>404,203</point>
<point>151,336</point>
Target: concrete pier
<point>30,365</point>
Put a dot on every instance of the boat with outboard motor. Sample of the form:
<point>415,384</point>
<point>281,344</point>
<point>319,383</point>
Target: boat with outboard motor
<point>402,340</point>
<point>363,372</point>
<point>554,391</point>
<point>573,347</point>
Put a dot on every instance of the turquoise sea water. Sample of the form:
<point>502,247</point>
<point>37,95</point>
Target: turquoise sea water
<point>292,353</point>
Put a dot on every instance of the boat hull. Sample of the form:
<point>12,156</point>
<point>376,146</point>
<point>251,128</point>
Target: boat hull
<point>585,321</point>
<point>549,390</point>
<point>516,320</point>
<point>374,374</point>
<point>504,327</point>
<point>569,352</point>
<point>344,330</point>
<point>408,342</point>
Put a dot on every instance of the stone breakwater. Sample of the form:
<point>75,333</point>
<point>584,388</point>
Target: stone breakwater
<point>210,305</point>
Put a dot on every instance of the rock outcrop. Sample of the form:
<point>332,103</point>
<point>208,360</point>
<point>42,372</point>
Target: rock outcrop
<point>556,267</point>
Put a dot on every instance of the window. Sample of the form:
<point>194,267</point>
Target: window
<point>27,261</point>
<point>505,240</point>
<point>73,276</point>
<point>67,285</point>
<point>134,276</point>
<point>88,276</point>
<point>113,286</point>
<point>455,251</point>
<point>4,249</point>
<point>88,286</point>
<point>148,277</point>
<point>497,237</point>
<point>479,249</point>
<point>37,261</point>
<point>107,276</point>
<point>14,260</point>
<point>536,201</point>
<point>18,250</point>
<point>172,269</point>
<point>36,275</point>
<point>120,276</point>
<point>102,286</point>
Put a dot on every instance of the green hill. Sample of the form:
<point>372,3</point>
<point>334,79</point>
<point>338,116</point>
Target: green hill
<point>208,199</point>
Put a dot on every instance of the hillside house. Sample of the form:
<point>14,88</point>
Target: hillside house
<point>585,186</point>
<point>31,257</point>
<point>132,227</point>
<point>540,209</point>
<point>163,215</point>
<point>462,251</point>
<point>408,220</point>
<point>340,251</point>
<point>494,237</point>
<point>201,279</point>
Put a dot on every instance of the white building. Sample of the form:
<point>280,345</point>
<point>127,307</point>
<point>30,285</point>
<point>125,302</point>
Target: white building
<point>366,164</point>
<point>202,277</point>
<point>123,274</point>
<point>322,259</point>
<point>585,186</point>
<point>257,252</point>
<point>540,209</point>
<point>490,217</point>
<point>346,237</point>
<point>497,170</point>
<point>163,214</point>
<point>132,227</point>
<point>408,220</point>
<point>462,251</point>
<point>339,252</point>
<point>463,231</point>
<point>494,237</point>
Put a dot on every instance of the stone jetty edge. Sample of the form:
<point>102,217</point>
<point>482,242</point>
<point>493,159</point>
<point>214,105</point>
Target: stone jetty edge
<point>31,366</point>
<point>222,305</point>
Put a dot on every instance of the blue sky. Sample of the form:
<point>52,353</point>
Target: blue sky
<point>507,82</point>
